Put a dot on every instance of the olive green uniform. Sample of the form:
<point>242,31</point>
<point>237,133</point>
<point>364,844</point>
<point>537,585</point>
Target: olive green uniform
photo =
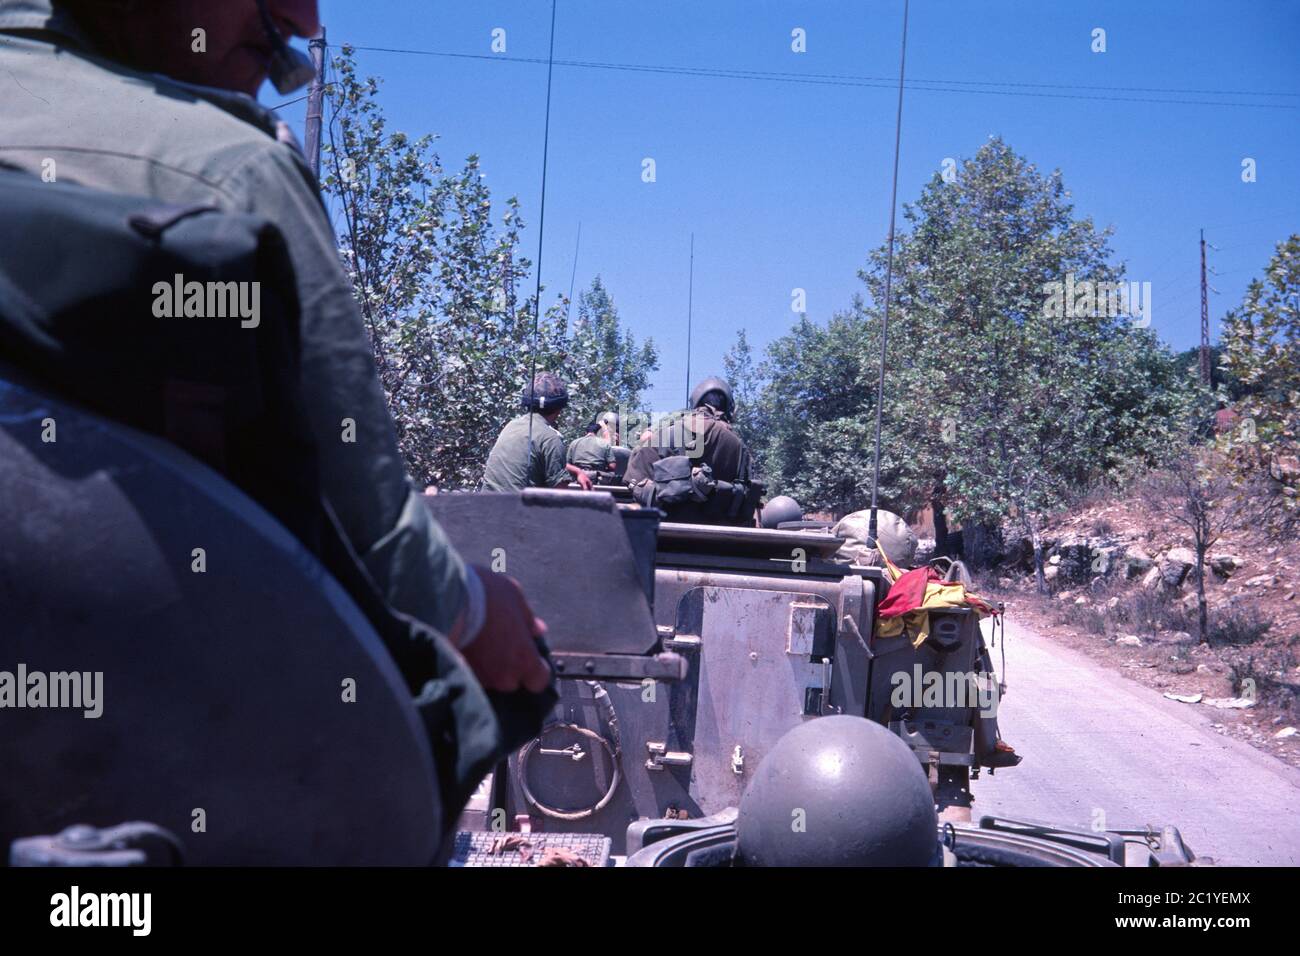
<point>511,468</point>
<point>108,127</point>
<point>592,453</point>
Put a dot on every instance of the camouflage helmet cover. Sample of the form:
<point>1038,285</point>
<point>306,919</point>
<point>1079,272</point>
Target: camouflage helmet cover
<point>548,393</point>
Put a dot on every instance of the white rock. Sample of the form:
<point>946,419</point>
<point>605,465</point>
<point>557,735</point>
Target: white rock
<point>1229,703</point>
<point>1284,733</point>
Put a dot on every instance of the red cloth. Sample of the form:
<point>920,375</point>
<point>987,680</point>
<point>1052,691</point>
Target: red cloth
<point>908,592</point>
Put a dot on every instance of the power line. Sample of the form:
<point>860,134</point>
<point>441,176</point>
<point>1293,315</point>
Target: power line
<point>849,80</point>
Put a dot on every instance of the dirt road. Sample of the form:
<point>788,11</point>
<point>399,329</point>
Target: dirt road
<point>1096,743</point>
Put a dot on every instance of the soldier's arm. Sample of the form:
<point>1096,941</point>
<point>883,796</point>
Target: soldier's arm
<point>362,471</point>
<point>559,471</point>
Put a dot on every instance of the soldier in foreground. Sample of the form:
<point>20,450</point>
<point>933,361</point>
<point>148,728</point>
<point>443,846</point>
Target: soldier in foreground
<point>114,97</point>
<point>529,452</point>
<point>694,466</point>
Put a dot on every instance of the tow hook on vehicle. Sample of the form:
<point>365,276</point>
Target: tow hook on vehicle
<point>661,757</point>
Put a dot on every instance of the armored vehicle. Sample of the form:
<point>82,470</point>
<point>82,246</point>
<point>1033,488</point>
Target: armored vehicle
<point>767,632</point>
<point>215,732</point>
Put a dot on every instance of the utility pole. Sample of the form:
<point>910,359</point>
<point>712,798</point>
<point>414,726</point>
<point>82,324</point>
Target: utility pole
<point>1205,321</point>
<point>315,95</point>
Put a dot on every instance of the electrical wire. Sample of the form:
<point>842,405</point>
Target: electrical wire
<point>849,80</point>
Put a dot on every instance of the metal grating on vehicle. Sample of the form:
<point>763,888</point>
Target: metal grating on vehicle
<point>486,848</point>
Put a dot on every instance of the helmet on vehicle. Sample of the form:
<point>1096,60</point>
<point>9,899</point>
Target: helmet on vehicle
<point>838,791</point>
<point>547,394</point>
<point>715,392</point>
<point>779,509</point>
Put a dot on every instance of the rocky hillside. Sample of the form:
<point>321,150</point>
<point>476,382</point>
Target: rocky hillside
<point>1123,589</point>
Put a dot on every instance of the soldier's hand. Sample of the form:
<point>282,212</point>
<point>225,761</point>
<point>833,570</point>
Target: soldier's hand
<point>504,656</point>
<point>581,477</point>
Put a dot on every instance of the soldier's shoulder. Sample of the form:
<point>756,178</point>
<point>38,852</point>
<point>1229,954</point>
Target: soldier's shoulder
<point>205,131</point>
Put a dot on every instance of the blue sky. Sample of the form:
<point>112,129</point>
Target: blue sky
<point>786,184</point>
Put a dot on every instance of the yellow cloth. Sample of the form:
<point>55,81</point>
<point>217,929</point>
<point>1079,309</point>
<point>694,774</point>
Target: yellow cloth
<point>938,594</point>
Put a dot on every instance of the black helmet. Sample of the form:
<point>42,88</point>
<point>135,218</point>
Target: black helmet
<point>779,509</point>
<point>547,394</point>
<point>701,395</point>
<point>838,791</point>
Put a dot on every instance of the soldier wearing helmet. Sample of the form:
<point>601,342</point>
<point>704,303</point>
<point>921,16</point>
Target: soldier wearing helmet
<point>529,452</point>
<point>700,448</point>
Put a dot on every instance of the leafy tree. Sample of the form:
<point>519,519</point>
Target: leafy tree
<point>741,371</point>
<point>1261,351</point>
<point>998,405</point>
<point>1197,492</point>
<point>605,367</point>
<point>437,275</point>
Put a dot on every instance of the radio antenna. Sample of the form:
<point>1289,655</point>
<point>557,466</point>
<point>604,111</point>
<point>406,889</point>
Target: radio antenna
<point>872,529</point>
<point>690,302</point>
<point>541,232</point>
<point>573,275</point>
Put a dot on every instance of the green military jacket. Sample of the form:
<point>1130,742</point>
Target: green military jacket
<point>85,119</point>
<point>593,453</point>
<point>511,468</point>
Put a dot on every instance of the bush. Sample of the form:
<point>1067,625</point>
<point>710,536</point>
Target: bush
<point>1238,626</point>
<point>1095,621</point>
<point>1149,612</point>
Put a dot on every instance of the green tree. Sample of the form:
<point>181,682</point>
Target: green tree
<point>605,366</point>
<point>1261,351</point>
<point>1002,399</point>
<point>437,274</point>
<point>742,372</point>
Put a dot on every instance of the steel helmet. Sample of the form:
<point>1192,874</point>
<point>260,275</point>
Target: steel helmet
<point>838,791</point>
<point>779,509</point>
<point>610,420</point>
<point>713,384</point>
